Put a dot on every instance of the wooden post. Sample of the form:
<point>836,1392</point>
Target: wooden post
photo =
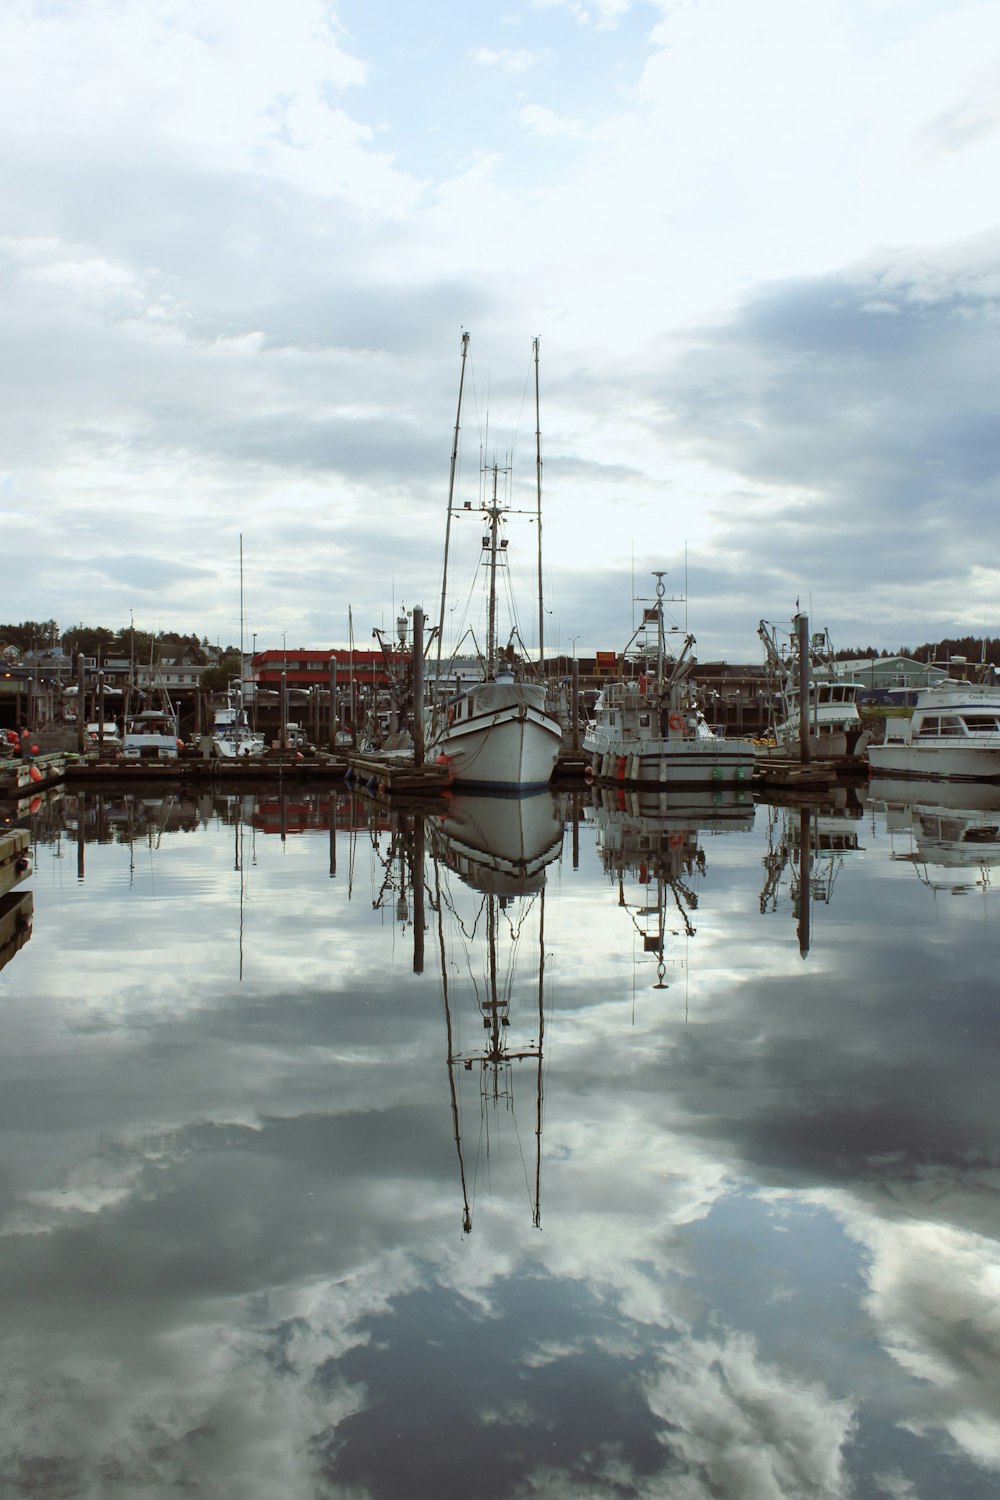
<point>575,705</point>
<point>418,686</point>
<point>283,738</point>
<point>81,704</point>
<point>802,622</point>
<point>418,882</point>
<point>100,713</point>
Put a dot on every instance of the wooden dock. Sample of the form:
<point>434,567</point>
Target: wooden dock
<point>15,864</point>
<point>21,777</point>
<point>787,771</point>
<point>388,777</point>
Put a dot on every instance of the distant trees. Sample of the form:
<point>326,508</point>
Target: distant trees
<point>975,648</point>
<point>216,679</point>
<point>30,635</point>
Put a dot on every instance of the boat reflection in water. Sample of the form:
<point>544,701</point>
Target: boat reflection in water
<point>951,830</point>
<point>491,940</point>
<point>654,839</point>
<point>810,843</point>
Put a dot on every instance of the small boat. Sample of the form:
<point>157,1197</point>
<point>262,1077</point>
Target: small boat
<point>953,735</point>
<point>151,735</point>
<point>647,727</point>
<point>233,738</point>
<point>106,736</point>
<point>498,733</point>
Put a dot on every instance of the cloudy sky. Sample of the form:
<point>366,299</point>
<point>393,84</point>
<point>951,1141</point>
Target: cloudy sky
<point>240,243</point>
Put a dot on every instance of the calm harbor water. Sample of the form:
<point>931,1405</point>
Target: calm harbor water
<point>559,1149</point>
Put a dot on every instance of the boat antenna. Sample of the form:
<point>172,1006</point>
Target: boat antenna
<point>451,496</point>
<point>538,482</point>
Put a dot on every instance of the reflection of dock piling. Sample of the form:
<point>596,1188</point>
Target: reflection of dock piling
<point>16,907</point>
<point>15,865</point>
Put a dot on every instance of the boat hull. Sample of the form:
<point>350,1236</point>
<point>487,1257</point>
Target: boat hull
<point>227,748</point>
<point>936,763</point>
<point>515,746</point>
<point>690,763</point>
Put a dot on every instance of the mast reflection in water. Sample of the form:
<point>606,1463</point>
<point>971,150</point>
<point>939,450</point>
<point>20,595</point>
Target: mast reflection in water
<point>248,1036</point>
<point>498,848</point>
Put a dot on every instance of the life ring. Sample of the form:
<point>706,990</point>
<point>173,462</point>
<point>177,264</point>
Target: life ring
<point>676,721</point>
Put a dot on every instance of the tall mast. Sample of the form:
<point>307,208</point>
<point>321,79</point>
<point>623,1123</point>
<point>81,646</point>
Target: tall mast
<point>661,645</point>
<point>538,484</point>
<point>451,496</point>
<point>243,668</point>
<point>493,511</point>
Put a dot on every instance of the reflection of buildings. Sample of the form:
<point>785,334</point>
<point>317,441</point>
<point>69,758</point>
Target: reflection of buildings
<point>490,919</point>
<point>653,840</point>
<point>950,830</point>
<point>809,844</point>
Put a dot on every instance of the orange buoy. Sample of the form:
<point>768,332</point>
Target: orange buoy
<point>35,774</point>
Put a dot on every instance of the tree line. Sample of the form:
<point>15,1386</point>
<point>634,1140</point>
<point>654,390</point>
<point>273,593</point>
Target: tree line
<point>141,646</point>
<point>973,647</point>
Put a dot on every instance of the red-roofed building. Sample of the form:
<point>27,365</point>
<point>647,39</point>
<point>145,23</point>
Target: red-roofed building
<point>308,669</point>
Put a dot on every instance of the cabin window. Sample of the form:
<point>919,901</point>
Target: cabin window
<point>644,721</point>
<point>930,728</point>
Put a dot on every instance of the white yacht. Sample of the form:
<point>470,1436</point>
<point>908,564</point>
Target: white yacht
<point>953,735</point>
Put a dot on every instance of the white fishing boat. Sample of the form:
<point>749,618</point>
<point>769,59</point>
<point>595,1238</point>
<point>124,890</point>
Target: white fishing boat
<point>835,729</point>
<point>498,732</point>
<point>648,728</point>
<point>953,735</point>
